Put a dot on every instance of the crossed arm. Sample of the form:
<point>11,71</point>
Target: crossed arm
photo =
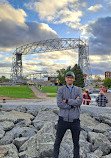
<point>69,103</point>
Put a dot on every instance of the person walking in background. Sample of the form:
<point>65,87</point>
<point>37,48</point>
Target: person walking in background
<point>101,99</point>
<point>86,98</point>
<point>69,99</point>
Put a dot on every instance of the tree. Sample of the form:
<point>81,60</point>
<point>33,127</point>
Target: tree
<point>79,79</point>
<point>61,75</point>
<point>107,82</point>
<point>4,79</point>
<point>68,68</point>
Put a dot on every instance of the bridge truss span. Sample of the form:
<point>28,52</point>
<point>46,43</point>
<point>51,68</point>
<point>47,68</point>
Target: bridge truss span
<point>50,45</point>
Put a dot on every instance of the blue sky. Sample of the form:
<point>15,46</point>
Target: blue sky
<point>26,21</point>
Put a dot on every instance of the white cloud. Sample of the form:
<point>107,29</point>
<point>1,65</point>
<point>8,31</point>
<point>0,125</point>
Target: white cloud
<point>50,61</point>
<point>53,5</point>
<point>67,15</point>
<point>47,28</point>
<point>100,64</point>
<point>100,59</point>
<point>16,36</point>
<point>6,49</point>
<point>58,56</point>
<point>14,33</point>
<point>29,5</point>
<point>63,11</point>
<point>12,22</point>
<point>101,76</point>
<point>7,59</point>
<point>95,8</point>
<point>7,12</point>
<point>1,55</point>
<point>5,64</point>
<point>3,1</point>
<point>99,36</point>
<point>5,71</point>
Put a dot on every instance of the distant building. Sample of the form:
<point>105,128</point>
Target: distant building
<point>107,74</point>
<point>53,80</point>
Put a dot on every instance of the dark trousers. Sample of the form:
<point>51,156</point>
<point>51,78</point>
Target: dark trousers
<point>61,129</point>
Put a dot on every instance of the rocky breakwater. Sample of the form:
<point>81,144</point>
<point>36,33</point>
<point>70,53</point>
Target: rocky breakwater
<point>26,133</point>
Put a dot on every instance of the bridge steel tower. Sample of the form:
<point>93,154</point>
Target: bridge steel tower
<point>50,45</point>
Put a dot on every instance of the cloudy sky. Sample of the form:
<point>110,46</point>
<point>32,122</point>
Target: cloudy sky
<point>26,21</point>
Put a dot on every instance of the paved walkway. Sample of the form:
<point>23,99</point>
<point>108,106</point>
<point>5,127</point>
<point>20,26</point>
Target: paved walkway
<point>37,92</point>
<point>40,94</point>
<point>48,103</point>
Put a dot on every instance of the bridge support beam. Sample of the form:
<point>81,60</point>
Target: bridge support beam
<point>17,68</point>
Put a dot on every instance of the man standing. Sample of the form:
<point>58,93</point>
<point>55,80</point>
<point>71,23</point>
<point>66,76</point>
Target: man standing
<point>101,99</point>
<point>69,99</point>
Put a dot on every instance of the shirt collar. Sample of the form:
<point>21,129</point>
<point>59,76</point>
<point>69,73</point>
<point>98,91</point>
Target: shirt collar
<point>69,87</point>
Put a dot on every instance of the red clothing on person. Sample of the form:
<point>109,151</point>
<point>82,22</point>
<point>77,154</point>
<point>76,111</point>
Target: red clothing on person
<point>86,97</point>
<point>103,89</point>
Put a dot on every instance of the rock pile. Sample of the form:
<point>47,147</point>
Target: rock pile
<point>26,133</point>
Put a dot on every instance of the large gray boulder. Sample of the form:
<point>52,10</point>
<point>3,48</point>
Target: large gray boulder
<point>107,156</point>
<point>18,142</point>
<point>101,128</point>
<point>87,122</point>
<point>21,109</point>
<point>105,118</point>
<point>33,112</point>
<point>17,132</point>
<point>66,148</point>
<point>6,125</point>
<point>96,154</point>
<point>23,131</point>
<point>99,141</point>
<point>44,115</point>
<point>7,139</point>
<point>14,116</point>
<point>2,133</point>
<point>108,135</point>
<point>8,151</point>
<point>40,145</point>
<point>85,146</point>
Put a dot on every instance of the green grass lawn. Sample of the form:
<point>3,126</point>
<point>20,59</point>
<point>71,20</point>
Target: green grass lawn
<point>17,92</point>
<point>50,95</point>
<point>50,89</point>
